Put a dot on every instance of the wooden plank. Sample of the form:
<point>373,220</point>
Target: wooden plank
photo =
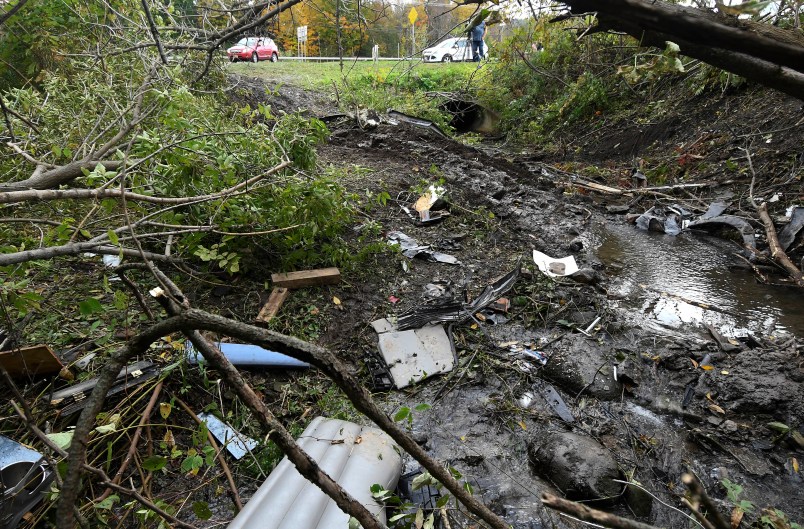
<point>307,278</point>
<point>271,307</point>
<point>34,360</point>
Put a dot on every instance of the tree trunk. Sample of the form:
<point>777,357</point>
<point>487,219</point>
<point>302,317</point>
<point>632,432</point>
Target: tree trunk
<point>759,52</point>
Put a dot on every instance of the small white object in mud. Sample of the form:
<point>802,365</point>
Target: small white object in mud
<point>550,266</point>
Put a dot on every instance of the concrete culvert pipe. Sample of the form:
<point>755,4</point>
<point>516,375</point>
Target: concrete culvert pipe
<point>468,116</point>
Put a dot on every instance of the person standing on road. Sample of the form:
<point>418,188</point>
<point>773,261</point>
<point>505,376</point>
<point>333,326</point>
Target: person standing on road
<point>478,33</point>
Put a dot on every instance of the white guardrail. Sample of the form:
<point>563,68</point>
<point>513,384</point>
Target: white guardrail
<point>345,59</point>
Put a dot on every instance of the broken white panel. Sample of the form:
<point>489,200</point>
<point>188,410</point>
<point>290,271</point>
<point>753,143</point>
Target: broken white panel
<point>354,456</point>
<point>416,354</point>
<point>235,442</point>
<point>383,325</point>
<point>553,267</point>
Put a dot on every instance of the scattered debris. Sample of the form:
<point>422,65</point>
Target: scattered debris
<point>492,317</point>
<point>413,355</point>
<point>591,327</point>
<point>411,248</point>
<point>554,400</point>
<point>73,398</point>
<point>552,267</point>
<point>425,206</point>
<point>419,122</point>
<point>422,496</point>
<point>716,209</point>
<point>501,305</point>
<point>272,306</point>
<point>789,232</point>
<point>24,479</point>
<point>638,179</point>
<point>307,278</point>
<point>658,220</point>
<point>235,442</point>
<point>242,354</point>
<point>452,310</point>
<point>741,225</point>
<point>380,376</point>
<point>356,457</point>
<point>533,354</point>
<point>27,361</point>
<point>727,345</point>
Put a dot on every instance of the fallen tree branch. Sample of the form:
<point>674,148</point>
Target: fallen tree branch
<point>8,195</point>
<point>775,45</point>
<point>192,320</point>
<point>77,248</point>
<point>776,250</point>
<point>8,14</point>
<point>539,70</point>
<point>27,418</point>
<point>154,31</point>
<point>700,497</point>
<point>60,175</point>
<point>587,514</point>
<point>759,52</point>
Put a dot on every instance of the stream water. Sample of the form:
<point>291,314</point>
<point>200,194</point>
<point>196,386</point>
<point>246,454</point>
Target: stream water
<point>686,280</point>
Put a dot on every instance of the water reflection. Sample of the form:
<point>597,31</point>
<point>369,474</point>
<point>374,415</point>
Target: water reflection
<point>686,280</point>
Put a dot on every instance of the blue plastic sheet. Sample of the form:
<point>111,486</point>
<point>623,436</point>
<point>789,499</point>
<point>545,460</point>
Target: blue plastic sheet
<point>241,354</point>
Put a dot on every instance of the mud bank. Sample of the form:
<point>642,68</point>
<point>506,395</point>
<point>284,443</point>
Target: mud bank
<point>649,399</point>
<point>638,392</point>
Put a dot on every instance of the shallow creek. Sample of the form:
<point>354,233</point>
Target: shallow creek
<point>670,280</point>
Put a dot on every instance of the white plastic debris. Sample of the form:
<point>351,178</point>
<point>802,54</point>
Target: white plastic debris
<point>235,442</point>
<point>553,267</point>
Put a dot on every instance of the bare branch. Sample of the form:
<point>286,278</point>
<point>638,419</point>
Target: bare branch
<point>587,514</point>
<point>75,249</point>
<point>154,31</point>
<point>10,13</point>
<point>10,196</point>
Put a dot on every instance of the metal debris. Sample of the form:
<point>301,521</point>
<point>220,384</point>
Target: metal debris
<point>411,248</point>
<point>419,122</point>
<point>24,478</point>
<point>789,232</point>
<point>457,311</point>
<point>235,442</point>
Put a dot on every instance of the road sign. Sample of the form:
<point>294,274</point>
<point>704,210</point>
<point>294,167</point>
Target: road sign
<point>413,15</point>
<point>301,33</point>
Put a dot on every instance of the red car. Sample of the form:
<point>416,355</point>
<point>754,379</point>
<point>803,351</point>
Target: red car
<point>254,49</point>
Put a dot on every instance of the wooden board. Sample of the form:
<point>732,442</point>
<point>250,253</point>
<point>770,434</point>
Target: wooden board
<point>307,278</point>
<point>271,307</point>
<point>34,360</point>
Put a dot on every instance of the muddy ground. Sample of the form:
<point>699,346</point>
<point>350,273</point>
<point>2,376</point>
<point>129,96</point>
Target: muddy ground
<point>648,393</point>
<point>648,401</point>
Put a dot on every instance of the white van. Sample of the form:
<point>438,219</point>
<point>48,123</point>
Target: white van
<point>455,49</point>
